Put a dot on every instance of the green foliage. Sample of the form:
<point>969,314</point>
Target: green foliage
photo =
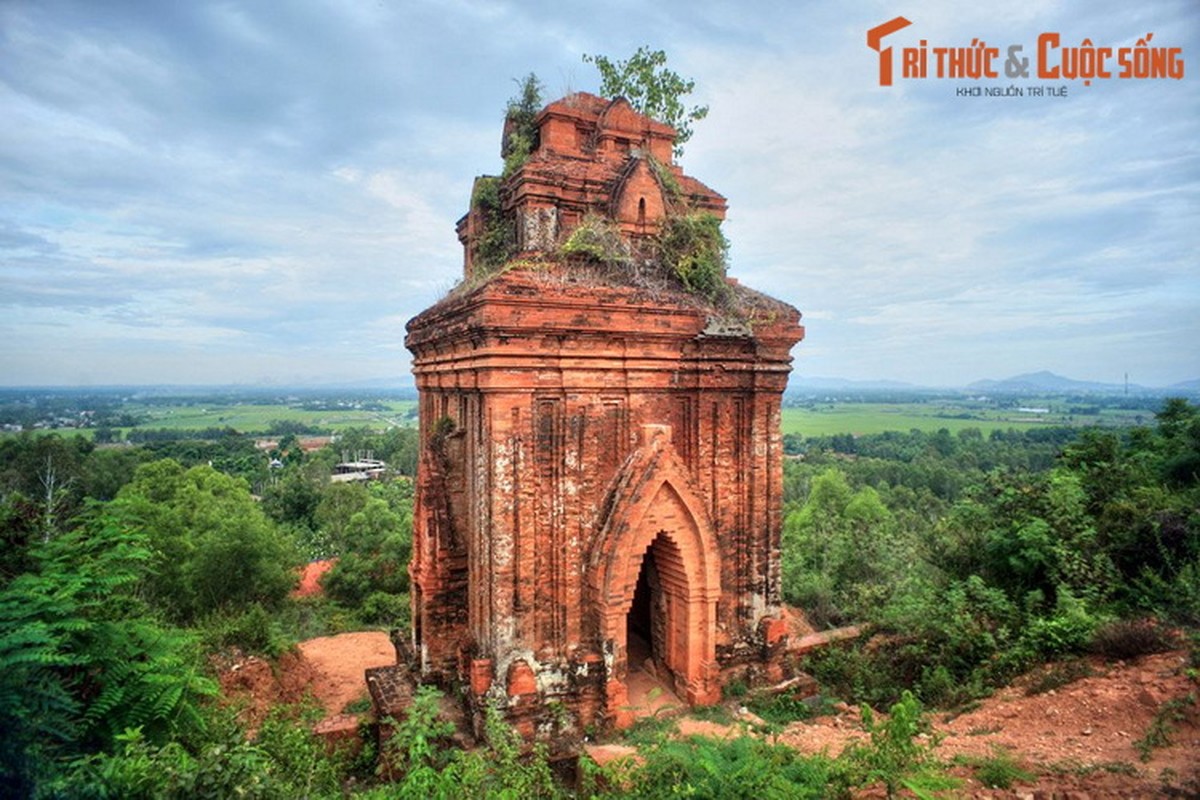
<point>900,753</point>
<point>692,247</point>
<point>284,761</point>
<point>782,709</point>
<point>225,450</point>
<point>1168,717</point>
<point>82,657</point>
<point>741,767</point>
<point>292,503</point>
<point>597,238</point>
<point>717,713</point>
<point>1068,630</point>
<point>649,730</point>
<point>46,472</point>
<point>502,770</point>
<point>371,531</point>
<point>999,770</point>
<point>213,546</point>
<point>666,179</point>
<point>251,629</point>
<point>497,242</point>
<point>650,87</point>
<point>842,554</point>
<point>980,558</point>
<point>428,769</point>
<point>520,130</point>
<point>413,749</point>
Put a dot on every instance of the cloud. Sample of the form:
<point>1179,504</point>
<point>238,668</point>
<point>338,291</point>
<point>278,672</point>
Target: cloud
<point>272,191</point>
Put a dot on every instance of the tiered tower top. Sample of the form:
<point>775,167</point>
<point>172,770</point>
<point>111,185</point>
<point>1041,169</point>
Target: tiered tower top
<point>590,155</point>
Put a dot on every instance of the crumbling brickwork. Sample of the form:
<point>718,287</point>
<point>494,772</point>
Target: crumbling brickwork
<point>601,460</point>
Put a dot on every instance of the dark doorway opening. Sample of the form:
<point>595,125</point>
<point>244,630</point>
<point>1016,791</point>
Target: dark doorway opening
<point>639,637</point>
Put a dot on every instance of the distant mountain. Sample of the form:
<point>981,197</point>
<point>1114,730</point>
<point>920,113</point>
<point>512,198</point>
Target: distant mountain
<point>1048,382</point>
<point>1030,383</point>
<point>1185,387</point>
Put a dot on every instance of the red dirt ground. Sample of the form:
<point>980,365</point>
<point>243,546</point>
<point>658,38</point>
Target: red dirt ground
<point>329,669</point>
<point>1078,739</point>
<point>310,578</point>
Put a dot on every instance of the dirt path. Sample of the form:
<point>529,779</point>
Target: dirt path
<point>329,670</point>
<point>338,663</point>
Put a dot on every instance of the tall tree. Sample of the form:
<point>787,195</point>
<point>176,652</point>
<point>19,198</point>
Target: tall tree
<point>214,546</point>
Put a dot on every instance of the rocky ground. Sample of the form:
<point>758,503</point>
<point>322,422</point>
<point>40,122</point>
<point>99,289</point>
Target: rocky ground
<point>1080,739</point>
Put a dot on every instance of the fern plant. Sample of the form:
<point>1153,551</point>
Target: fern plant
<point>82,658</point>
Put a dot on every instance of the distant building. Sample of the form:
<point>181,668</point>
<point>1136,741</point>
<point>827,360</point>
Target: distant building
<point>363,469</point>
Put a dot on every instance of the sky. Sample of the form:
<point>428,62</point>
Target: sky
<point>264,193</point>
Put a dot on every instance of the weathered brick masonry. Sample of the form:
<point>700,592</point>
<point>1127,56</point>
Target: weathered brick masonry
<point>601,460</point>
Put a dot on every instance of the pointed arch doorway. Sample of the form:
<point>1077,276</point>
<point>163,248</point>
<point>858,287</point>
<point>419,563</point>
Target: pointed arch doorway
<point>655,639</point>
<point>657,537</point>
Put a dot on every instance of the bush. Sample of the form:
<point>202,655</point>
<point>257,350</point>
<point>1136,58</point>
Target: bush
<point>253,630</point>
<point>1069,630</point>
<point>999,770</point>
<point>782,709</point>
<point>693,248</point>
<point>498,241</point>
<point>214,547</point>
<point>742,767</point>
<point>1130,638</point>
<point>390,610</point>
<point>597,238</point>
<point>900,752</point>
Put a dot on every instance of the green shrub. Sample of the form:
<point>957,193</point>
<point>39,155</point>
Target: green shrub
<point>742,767</point>
<point>386,609</point>
<point>498,240</point>
<point>900,753</point>
<point>1069,630</point>
<point>999,770</point>
<point>213,545</point>
<point>781,709</point>
<point>83,657</point>
<point>693,248</point>
<point>597,238</point>
<point>252,630</point>
<point>284,761</point>
<point>1129,638</point>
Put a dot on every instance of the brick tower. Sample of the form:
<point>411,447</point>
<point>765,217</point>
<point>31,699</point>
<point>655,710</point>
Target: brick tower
<point>599,488</point>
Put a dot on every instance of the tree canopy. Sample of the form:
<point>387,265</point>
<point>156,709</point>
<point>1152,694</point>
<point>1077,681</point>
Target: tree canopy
<point>650,87</point>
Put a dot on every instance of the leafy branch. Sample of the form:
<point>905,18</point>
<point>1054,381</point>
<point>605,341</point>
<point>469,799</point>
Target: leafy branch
<point>644,80</point>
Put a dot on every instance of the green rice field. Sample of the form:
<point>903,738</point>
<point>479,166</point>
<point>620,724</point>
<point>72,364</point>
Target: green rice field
<point>806,418</point>
<point>254,417</point>
<point>827,419</point>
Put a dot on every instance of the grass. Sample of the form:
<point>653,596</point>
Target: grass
<point>248,417</point>
<point>1168,717</point>
<point>254,418</point>
<point>1053,677</point>
<point>1000,770</point>
<point>827,419</point>
<point>811,419</point>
